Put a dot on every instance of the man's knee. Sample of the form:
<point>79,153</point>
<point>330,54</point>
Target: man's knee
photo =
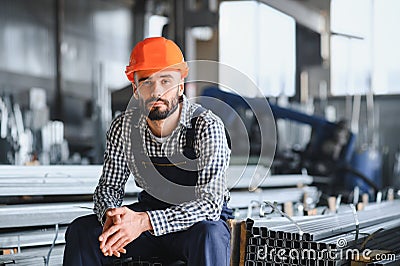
<point>82,245</point>
<point>213,231</point>
<point>209,244</point>
<point>85,226</point>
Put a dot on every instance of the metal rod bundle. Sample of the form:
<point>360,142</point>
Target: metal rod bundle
<point>324,239</point>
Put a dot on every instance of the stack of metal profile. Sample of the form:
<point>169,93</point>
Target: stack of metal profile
<point>35,256</point>
<point>251,186</point>
<point>44,201</point>
<point>334,239</point>
<point>53,180</point>
<point>250,203</point>
<point>29,215</point>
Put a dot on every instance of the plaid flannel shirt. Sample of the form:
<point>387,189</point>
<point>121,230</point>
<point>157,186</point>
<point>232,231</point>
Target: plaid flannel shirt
<point>210,146</point>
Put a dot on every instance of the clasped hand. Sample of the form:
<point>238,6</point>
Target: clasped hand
<point>121,227</point>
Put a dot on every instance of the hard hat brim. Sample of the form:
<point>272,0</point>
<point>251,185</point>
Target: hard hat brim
<point>130,70</point>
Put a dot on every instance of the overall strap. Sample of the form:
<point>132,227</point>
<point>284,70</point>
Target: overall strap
<point>135,137</point>
<point>190,132</point>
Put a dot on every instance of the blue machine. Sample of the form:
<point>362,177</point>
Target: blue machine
<point>330,152</point>
<point>368,163</point>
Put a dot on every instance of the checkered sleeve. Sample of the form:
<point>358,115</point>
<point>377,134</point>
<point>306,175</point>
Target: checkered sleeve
<point>214,155</point>
<point>110,189</point>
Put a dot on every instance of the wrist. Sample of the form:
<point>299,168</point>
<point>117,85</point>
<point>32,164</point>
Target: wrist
<point>145,222</point>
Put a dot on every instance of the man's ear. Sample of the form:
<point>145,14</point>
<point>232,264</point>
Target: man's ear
<point>181,88</point>
<point>135,92</point>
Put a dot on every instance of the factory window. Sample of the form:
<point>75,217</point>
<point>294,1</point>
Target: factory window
<point>350,66</point>
<point>386,43</point>
<point>156,25</point>
<point>364,47</point>
<point>350,47</point>
<point>259,41</point>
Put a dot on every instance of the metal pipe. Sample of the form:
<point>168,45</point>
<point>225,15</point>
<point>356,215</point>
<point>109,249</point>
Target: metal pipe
<point>59,20</point>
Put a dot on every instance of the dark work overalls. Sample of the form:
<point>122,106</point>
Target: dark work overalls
<point>204,243</point>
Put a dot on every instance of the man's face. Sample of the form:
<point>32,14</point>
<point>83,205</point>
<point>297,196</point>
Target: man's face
<point>158,92</point>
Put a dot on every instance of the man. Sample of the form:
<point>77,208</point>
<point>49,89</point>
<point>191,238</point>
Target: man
<point>181,212</point>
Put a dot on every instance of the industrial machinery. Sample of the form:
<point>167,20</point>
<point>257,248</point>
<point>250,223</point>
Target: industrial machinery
<point>328,154</point>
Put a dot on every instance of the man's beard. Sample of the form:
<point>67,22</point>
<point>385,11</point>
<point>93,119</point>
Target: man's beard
<point>155,113</point>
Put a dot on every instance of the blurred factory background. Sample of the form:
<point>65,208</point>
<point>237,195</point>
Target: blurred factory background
<point>328,68</point>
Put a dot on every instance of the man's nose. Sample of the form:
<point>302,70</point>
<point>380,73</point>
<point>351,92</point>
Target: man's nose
<point>157,90</point>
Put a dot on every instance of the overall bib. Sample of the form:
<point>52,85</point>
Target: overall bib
<point>161,174</point>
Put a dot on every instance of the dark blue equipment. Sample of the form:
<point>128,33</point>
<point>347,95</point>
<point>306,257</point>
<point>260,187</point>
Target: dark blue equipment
<point>330,152</point>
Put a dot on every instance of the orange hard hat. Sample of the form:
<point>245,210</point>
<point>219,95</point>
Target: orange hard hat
<point>155,54</point>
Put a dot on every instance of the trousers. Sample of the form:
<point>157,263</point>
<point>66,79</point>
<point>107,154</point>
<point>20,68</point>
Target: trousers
<point>206,243</point>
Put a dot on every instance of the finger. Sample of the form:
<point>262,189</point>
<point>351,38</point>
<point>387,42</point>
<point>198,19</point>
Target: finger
<point>122,248</point>
<point>110,254</point>
<point>111,241</point>
<point>116,211</point>
<point>118,244</point>
<point>116,219</point>
<point>105,253</point>
<point>109,210</point>
<point>104,236</point>
<point>116,254</point>
<point>107,224</point>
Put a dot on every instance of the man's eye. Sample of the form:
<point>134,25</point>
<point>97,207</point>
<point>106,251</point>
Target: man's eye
<point>146,82</point>
<point>165,81</point>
